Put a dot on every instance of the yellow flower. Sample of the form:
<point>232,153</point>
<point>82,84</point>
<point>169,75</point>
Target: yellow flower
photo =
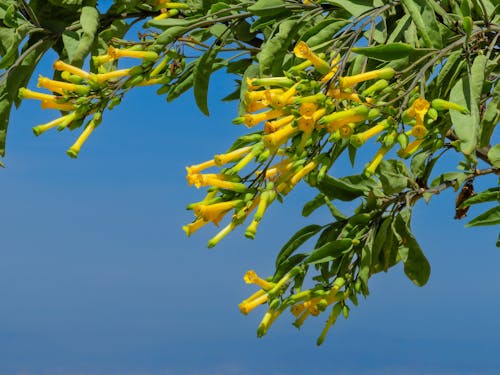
<point>269,317</point>
<point>303,51</point>
<point>194,169</point>
<point>302,172</point>
<point>411,148</point>
<point>214,211</point>
<point>280,136</point>
<point>194,226</point>
<point>347,114</point>
<point>306,124</point>
<point>385,73</point>
<point>64,120</point>
<point>102,59</point>
<point>418,110</point>
<point>359,139</point>
<point>307,109</point>
<point>343,95</point>
<point>272,126</point>
<point>251,277</point>
<point>103,77</point>
<point>62,66</point>
<point>216,181</point>
<point>117,53</point>
<point>219,236</point>
<point>285,98</point>
<point>222,159</point>
<point>25,93</point>
<point>62,87</point>
<point>419,131</point>
<point>75,149</point>
<point>55,105</point>
<point>377,159</point>
<point>246,307</point>
<point>252,120</point>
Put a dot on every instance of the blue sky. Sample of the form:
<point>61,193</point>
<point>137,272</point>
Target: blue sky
<point>97,277</point>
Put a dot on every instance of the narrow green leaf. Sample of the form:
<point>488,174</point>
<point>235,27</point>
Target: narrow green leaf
<point>287,265</point>
<point>202,72</point>
<point>296,241</point>
<point>424,19</point>
<point>323,32</point>
<point>492,194</point>
<point>267,8</point>
<point>491,116</point>
<point>329,251</point>
<point>89,20</point>
<point>490,217</point>
<point>386,52</point>
<point>273,51</point>
<point>357,7</point>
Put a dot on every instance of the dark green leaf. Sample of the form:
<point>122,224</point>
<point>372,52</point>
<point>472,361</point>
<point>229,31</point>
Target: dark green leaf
<point>425,21</point>
<point>393,175</point>
<point>273,51</point>
<point>202,72</point>
<point>329,251</point>
<point>287,265</point>
<point>386,52</point>
<point>267,8</point>
<point>296,241</point>
<point>490,217</point>
<point>89,20</point>
<point>484,196</point>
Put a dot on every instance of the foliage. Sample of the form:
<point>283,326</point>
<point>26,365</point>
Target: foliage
<point>417,78</point>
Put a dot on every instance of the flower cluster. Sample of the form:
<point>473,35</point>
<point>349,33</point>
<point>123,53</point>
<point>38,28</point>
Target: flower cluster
<point>79,93</point>
<point>302,112</point>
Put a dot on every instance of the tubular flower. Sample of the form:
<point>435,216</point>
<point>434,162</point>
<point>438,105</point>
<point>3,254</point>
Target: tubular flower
<point>62,87</point>
<point>256,149</point>
<point>442,105</point>
<point>251,120</point>
<point>220,183</point>
<point>379,156</point>
<point>251,277</point>
<point>25,93</point>
<point>272,126</point>
<point>308,109</point>
<point>247,306</point>
<point>219,236</point>
<point>280,136</point>
<point>64,67</point>
<point>385,73</point>
<point>255,83</point>
<point>377,86</point>
<point>418,110</point>
<point>411,148</point>
<point>75,149</point>
<point>303,51</point>
<point>213,212</point>
<point>269,318</point>
<point>265,199</point>
<point>343,95</point>
<point>334,67</point>
<point>285,98</point>
<point>103,77</point>
<point>102,59</point>
<point>64,120</point>
<point>190,228</point>
<point>359,139</point>
<point>166,13</point>
<point>194,169</point>
<point>222,159</point>
<point>117,53</point>
<point>304,171</point>
<point>419,131</point>
<point>361,111</point>
<point>55,105</point>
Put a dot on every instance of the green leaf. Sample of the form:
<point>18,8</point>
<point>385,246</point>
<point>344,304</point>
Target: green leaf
<point>343,189</point>
<point>386,52</point>
<point>329,251</point>
<point>416,265</point>
<point>357,7</point>
<point>323,32</point>
<point>296,241</point>
<point>166,23</point>
<point>488,195</point>
<point>491,116</point>
<point>490,217</point>
<point>273,51</point>
<point>202,72</point>
<point>287,265</point>
<point>465,125</point>
<point>424,18</point>
<point>393,175</point>
<point>312,205</point>
<point>267,8</point>
<point>89,20</point>
<point>16,78</point>
<point>494,155</point>
<point>455,178</point>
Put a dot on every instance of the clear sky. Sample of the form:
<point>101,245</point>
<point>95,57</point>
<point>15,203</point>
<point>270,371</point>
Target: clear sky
<point>97,277</point>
